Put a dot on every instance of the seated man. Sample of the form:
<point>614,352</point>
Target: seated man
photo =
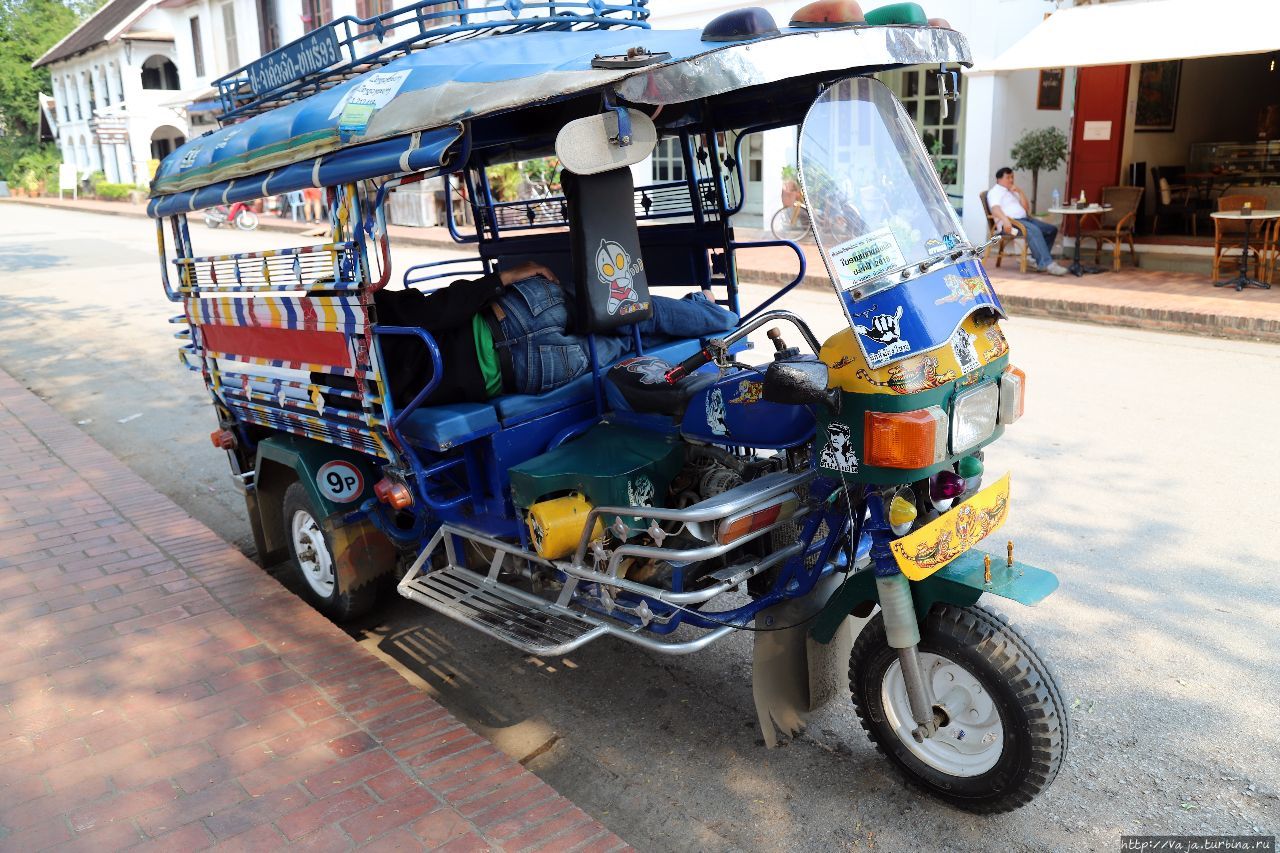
<point>507,333</point>
<point>1008,202</point>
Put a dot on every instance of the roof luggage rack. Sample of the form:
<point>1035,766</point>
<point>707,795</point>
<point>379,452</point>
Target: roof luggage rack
<point>351,46</point>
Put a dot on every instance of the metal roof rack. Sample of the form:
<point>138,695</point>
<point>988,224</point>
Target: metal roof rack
<point>351,46</point>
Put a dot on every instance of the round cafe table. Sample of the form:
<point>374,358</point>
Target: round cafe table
<point>1242,280</point>
<point>1077,268</point>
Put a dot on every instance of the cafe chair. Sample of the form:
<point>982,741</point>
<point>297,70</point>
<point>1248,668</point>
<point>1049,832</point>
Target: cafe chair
<point>1271,253</point>
<point>1228,234</point>
<point>1115,226</point>
<point>1019,232</point>
<point>1174,198</point>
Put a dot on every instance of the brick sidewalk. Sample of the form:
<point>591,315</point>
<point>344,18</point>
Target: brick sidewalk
<point>159,689</point>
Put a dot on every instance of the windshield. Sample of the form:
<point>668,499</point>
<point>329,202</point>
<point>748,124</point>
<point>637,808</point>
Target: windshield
<point>875,201</point>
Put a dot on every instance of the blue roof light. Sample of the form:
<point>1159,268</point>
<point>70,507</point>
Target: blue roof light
<point>740,25</point>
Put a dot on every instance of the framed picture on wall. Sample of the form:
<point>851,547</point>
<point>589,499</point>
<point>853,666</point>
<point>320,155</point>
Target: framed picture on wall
<point>1157,95</point>
<point>1049,92</point>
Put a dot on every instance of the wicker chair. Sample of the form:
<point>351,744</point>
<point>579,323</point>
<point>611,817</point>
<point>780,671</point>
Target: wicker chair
<point>1019,231</point>
<point>1228,234</point>
<point>1175,198</point>
<point>1115,226</point>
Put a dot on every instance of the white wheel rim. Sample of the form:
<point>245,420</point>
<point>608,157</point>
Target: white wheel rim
<point>973,739</point>
<point>313,555</point>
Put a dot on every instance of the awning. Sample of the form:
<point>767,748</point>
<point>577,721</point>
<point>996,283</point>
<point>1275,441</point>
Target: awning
<point>1144,31</point>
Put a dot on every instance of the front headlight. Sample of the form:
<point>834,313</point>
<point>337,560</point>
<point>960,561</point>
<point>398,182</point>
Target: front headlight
<point>973,417</point>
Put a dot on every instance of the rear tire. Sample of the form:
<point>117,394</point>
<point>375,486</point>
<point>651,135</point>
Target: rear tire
<point>791,223</point>
<point>1013,716</point>
<point>314,563</point>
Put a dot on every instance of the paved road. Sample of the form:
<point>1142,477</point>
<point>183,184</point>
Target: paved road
<point>1144,474</point>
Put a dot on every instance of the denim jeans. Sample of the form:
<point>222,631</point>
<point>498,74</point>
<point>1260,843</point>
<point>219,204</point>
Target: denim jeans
<point>545,356</point>
<point>1040,237</point>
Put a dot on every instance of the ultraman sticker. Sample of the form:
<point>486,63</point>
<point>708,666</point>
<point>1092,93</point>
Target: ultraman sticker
<point>640,491</point>
<point>715,413</point>
<point>837,453</point>
<point>615,268</point>
<point>886,330</point>
<point>966,355</point>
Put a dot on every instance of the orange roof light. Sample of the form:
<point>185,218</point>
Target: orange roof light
<point>829,13</point>
<point>940,23</point>
<point>915,439</point>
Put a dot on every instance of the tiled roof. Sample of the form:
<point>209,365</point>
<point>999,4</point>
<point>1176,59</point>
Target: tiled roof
<point>92,32</point>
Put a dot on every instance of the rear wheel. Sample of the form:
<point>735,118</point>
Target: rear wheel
<point>1005,729</point>
<point>313,558</point>
<point>790,223</point>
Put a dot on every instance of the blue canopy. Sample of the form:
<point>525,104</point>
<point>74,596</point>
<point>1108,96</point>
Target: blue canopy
<point>405,115</point>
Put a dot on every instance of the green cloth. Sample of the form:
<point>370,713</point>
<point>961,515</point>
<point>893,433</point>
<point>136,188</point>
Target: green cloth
<point>487,355</point>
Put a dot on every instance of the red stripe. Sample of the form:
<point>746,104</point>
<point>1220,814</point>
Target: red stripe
<point>328,348</point>
<point>309,319</point>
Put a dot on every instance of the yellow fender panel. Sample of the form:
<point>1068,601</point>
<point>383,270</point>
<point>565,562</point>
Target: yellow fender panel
<point>925,551</point>
<point>932,369</point>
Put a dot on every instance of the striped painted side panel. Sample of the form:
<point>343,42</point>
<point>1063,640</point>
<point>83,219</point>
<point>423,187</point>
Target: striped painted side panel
<point>362,440</point>
<point>310,313</point>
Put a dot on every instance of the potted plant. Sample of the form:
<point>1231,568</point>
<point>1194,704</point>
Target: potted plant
<point>1045,148</point>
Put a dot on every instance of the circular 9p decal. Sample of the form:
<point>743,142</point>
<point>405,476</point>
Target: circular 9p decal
<point>340,482</point>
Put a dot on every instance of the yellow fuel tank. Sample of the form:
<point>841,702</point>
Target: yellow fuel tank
<point>555,525</point>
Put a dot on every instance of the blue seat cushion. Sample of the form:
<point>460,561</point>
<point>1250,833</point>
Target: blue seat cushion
<point>441,427</point>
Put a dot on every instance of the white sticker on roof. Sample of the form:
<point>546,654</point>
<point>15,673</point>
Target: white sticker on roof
<point>365,98</point>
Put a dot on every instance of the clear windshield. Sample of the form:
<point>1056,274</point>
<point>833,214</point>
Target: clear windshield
<point>875,201</point>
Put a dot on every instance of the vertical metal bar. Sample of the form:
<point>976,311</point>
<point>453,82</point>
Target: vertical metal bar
<point>691,175</point>
<point>595,374</point>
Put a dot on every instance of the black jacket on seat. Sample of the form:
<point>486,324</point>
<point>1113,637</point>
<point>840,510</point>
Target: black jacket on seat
<point>447,314</point>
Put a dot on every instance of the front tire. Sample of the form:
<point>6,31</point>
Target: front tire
<point>790,223</point>
<point>246,220</point>
<point>313,559</point>
<point>1009,735</point>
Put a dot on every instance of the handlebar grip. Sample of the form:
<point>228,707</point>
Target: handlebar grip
<point>689,365</point>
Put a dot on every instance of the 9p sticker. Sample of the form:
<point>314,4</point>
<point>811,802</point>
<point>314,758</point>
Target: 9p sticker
<point>340,482</point>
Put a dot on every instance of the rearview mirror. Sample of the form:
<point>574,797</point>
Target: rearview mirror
<point>799,383</point>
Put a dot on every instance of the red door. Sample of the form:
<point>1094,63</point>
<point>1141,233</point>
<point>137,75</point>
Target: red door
<point>1098,129</point>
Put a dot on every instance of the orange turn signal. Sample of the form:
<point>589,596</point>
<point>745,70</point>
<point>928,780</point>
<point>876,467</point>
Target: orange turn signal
<point>915,439</point>
<point>393,494</point>
<point>735,527</point>
<point>223,438</point>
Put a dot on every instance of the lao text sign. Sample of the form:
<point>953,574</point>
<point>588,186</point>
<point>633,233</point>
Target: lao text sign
<point>310,54</point>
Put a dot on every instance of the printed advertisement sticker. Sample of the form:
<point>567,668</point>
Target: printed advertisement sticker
<point>867,257</point>
<point>357,109</point>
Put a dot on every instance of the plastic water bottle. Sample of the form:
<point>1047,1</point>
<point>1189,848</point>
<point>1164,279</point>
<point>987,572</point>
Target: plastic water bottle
<point>1057,198</point>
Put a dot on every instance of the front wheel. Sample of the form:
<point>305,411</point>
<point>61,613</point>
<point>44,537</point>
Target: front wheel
<point>1005,728</point>
<point>313,557</point>
<point>246,220</point>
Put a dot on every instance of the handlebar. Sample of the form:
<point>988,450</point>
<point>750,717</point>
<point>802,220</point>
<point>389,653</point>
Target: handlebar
<point>690,364</point>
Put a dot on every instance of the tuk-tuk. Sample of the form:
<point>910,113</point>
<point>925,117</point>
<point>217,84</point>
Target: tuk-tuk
<point>824,495</point>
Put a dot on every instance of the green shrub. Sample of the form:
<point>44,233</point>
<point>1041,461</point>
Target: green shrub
<point>37,169</point>
<point>112,192</point>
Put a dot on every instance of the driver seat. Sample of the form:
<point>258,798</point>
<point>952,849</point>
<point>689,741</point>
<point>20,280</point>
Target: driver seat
<point>640,384</point>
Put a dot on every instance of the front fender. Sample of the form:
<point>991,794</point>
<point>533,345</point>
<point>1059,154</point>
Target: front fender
<point>960,582</point>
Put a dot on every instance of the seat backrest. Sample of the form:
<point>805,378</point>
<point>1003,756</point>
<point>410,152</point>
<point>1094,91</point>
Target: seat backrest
<point>1123,200</point>
<point>608,268</point>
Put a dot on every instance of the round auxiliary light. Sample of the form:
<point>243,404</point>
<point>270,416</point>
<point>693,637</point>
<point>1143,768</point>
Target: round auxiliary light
<point>740,25</point>
<point>902,512</point>
<point>829,13</point>
<point>940,23</point>
<point>945,487</point>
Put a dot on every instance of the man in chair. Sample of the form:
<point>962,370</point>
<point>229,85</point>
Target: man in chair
<point>1007,202</point>
<point>508,332</point>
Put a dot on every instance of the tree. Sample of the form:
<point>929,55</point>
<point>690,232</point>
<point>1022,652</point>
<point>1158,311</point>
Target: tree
<point>28,28</point>
<point>1045,148</point>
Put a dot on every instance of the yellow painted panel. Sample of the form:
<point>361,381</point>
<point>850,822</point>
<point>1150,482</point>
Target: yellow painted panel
<point>928,549</point>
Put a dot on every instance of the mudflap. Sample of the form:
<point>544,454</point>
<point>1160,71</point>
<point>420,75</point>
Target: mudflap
<point>961,582</point>
<point>792,674</point>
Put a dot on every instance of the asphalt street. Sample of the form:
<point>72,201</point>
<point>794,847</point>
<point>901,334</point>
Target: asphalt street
<point>1143,475</point>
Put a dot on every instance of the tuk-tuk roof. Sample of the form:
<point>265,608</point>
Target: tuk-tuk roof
<point>407,115</point>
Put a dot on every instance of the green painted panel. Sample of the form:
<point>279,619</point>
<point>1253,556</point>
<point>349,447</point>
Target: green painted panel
<point>307,456</point>
<point>610,464</point>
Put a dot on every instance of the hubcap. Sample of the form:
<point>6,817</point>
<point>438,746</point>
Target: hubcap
<point>313,554</point>
<point>972,740</point>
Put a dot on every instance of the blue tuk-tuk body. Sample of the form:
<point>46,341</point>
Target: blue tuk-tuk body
<point>550,520</point>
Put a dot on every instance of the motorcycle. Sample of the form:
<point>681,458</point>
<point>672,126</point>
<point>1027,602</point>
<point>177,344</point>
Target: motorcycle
<point>238,213</point>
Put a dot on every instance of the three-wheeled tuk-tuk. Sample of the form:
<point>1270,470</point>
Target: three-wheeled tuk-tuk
<point>824,495</point>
